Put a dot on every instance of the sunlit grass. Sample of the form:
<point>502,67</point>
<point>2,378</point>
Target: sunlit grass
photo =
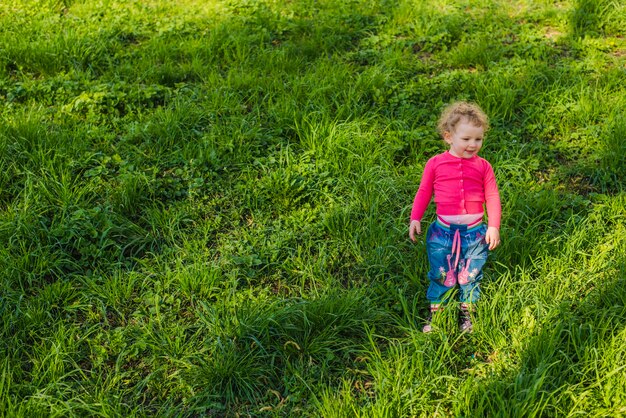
<point>204,208</point>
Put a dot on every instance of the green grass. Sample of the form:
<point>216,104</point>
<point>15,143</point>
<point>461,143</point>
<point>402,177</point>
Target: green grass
<point>204,208</point>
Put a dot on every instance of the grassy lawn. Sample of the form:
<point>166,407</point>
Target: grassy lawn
<point>204,207</point>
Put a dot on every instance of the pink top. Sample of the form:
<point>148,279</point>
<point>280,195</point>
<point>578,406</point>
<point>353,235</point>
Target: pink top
<point>461,186</point>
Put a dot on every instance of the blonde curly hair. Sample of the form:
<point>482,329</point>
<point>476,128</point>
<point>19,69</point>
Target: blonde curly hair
<point>462,111</point>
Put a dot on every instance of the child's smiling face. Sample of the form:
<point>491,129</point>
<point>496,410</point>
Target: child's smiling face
<point>466,139</point>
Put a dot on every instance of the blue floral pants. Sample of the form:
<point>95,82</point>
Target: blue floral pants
<point>456,255</point>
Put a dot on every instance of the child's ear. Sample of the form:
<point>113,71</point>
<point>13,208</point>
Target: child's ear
<point>447,136</point>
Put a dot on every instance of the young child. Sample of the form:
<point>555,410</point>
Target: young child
<point>458,241</point>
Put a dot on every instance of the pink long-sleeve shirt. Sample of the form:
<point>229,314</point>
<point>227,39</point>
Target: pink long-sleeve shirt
<point>461,186</point>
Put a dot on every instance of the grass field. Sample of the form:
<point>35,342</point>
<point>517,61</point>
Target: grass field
<point>204,207</point>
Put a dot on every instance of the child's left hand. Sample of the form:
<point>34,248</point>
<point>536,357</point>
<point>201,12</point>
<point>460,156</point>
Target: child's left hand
<point>492,237</point>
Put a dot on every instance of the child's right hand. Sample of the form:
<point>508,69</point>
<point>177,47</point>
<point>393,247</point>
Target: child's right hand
<point>414,228</point>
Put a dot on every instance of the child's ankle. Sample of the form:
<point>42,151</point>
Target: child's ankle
<point>467,307</point>
<point>436,307</point>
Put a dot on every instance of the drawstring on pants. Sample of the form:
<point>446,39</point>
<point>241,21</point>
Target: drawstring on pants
<point>451,276</point>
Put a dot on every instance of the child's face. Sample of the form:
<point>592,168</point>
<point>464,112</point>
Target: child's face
<point>466,139</point>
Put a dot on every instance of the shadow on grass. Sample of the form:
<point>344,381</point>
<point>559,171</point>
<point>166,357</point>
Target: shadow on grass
<point>157,125</point>
<point>573,363</point>
<point>278,349</point>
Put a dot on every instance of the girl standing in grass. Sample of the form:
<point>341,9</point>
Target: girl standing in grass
<point>458,241</point>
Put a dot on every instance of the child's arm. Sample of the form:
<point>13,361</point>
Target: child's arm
<point>494,208</point>
<point>422,199</point>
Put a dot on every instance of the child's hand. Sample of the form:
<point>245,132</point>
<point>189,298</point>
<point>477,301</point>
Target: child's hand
<point>415,228</point>
<point>492,237</point>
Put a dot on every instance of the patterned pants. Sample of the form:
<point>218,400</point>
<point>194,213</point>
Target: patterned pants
<point>456,254</point>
